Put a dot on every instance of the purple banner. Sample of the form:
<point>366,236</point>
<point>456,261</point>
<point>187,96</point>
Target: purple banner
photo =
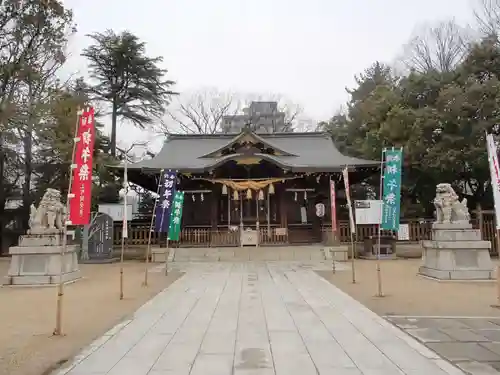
<point>164,206</point>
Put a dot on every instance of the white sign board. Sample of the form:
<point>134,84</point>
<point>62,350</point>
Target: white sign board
<point>404,232</point>
<point>115,210</point>
<point>368,212</point>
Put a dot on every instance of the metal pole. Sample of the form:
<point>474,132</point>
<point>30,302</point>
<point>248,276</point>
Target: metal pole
<point>228,210</point>
<point>60,288</point>
<point>381,186</point>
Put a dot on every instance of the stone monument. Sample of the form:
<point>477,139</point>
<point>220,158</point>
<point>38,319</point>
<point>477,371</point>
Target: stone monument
<point>97,241</point>
<point>456,250</point>
<point>37,259</point>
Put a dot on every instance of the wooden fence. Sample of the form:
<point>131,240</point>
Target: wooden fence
<point>138,234</point>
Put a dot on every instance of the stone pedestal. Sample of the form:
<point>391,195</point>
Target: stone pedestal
<point>158,254</point>
<point>456,252</point>
<point>37,261</point>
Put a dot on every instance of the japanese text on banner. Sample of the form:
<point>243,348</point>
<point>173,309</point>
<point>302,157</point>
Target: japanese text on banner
<point>164,207</point>
<point>392,189</point>
<point>345,173</point>
<point>176,217</point>
<point>79,212</point>
<point>333,206</point>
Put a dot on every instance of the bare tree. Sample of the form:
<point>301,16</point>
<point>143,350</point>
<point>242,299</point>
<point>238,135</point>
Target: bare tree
<point>440,47</point>
<point>200,112</point>
<point>206,112</point>
<point>487,14</point>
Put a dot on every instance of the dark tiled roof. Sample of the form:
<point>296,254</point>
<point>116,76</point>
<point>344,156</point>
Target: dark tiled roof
<point>309,152</point>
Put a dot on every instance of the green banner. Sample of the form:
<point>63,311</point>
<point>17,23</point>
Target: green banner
<point>174,230</point>
<point>392,189</point>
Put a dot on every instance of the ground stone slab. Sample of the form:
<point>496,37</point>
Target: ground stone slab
<point>258,318</point>
<point>473,344</point>
<point>477,368</point>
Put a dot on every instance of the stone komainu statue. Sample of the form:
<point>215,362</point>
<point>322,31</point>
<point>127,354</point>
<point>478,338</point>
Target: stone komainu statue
<point>49,216</point>
<point>448,207</point>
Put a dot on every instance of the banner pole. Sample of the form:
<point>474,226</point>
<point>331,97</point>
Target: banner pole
<point>60,287</point>
<point>124,226</point>
<point>352,259</point>
<point>352,226</point>
<point>381,187</point>
<point>148,248</point>
<point>166,256</point>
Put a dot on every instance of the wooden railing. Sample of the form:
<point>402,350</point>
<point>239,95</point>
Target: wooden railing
<point>138,234</point>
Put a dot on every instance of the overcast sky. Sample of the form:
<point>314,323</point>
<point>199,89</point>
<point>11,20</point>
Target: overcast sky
<point>307,50</point>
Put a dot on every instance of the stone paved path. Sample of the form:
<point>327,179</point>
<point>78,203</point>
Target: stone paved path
<point>256,319</point>
<point>473,344</point>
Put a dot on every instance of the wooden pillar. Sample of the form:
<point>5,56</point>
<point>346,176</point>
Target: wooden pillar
<point>214,201</point>
<point>283,208</point>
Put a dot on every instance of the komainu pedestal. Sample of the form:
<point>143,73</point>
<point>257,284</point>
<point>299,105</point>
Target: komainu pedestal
<point>37,259</point>
<point>456,250</point>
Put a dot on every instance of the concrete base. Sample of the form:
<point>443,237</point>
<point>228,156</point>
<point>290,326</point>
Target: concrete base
<point>37,261</point>
<point>100,261</point>
<point>158,254</point>
<point>456,274</point>
<point>339,253</point>
<point>381,257</point>
<point>456,254</point>
<point>240,254</point>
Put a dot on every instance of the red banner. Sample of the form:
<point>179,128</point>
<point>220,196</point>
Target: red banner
<point>79,209</point>
<point>333,207</point>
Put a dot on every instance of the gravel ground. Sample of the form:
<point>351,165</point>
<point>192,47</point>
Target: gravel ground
<point>409,294</point>
<point>91,307</point>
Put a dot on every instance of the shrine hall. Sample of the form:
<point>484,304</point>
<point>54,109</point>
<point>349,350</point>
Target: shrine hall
<point>253,189</point>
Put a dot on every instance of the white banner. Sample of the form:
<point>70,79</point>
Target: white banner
<point>125,187</point>
<point>333,207</point>
<point>495,175</point>
<point>348,196</point>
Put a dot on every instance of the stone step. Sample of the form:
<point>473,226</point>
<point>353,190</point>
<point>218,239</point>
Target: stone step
<point>242,254</point>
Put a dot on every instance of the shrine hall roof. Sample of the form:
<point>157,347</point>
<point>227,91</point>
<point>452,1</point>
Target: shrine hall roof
<point>297,152</point>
